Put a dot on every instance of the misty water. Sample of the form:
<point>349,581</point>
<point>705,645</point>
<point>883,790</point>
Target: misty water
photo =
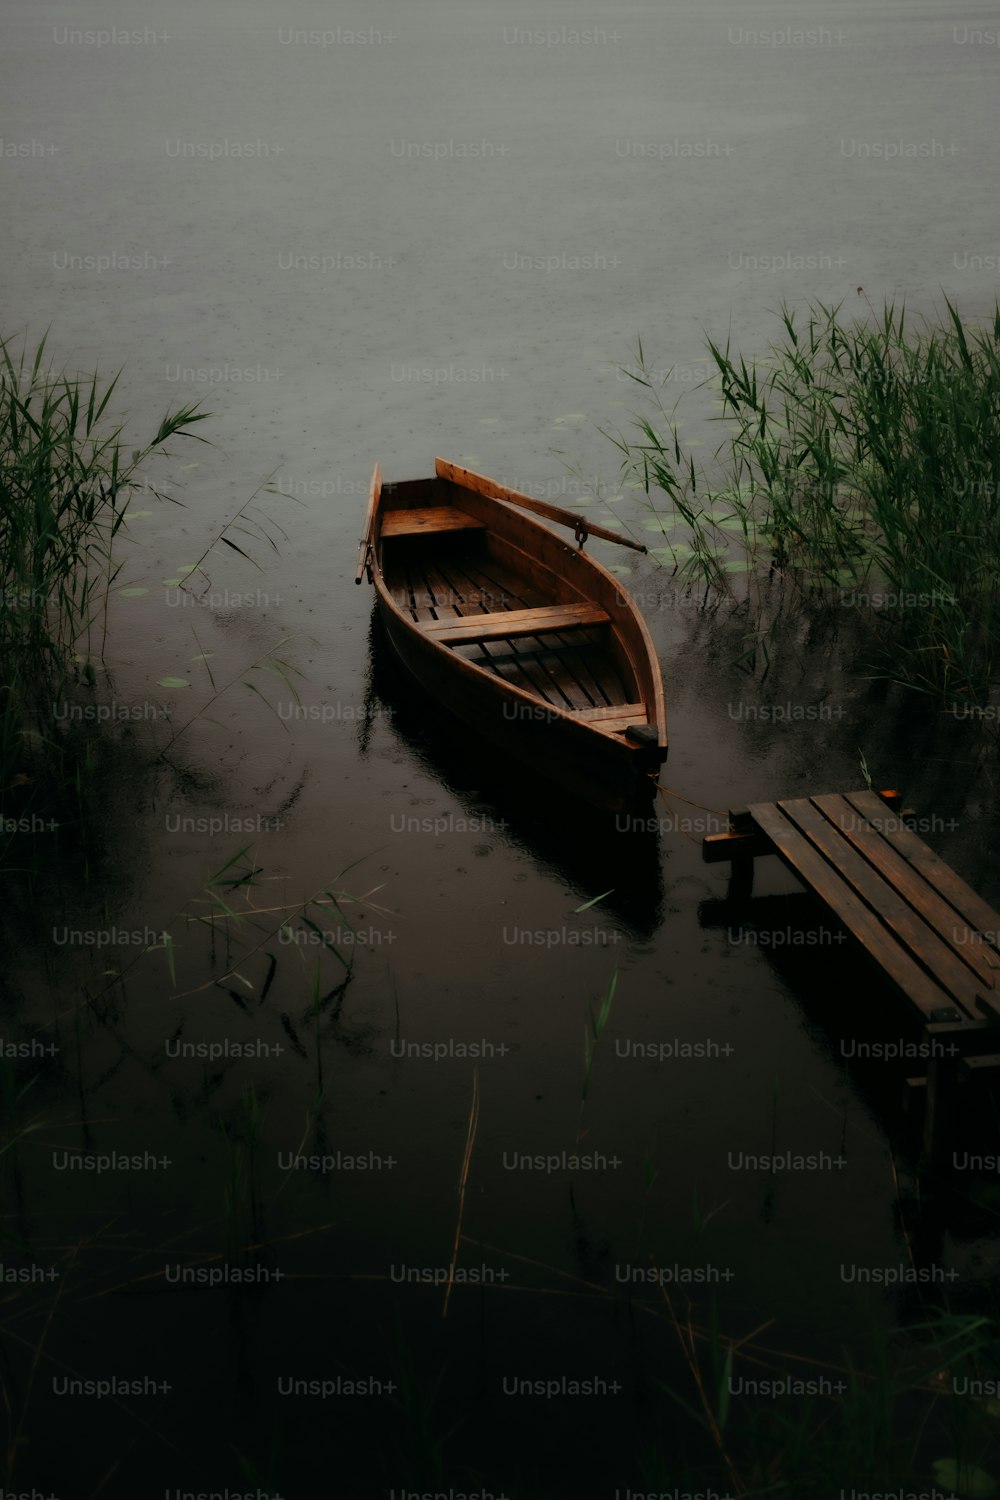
<point>388,232</point>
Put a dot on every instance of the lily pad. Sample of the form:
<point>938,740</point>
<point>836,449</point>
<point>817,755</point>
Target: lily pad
<point>679,552</point>
<point>188,568</point>
<point>170,582</point>
<point>174,682</point>
<point>132,593</point>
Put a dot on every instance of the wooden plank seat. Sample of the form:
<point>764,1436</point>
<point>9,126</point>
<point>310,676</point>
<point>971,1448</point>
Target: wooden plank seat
<point>428,518</point>
<point>508,624</point>
<point>615,718</point>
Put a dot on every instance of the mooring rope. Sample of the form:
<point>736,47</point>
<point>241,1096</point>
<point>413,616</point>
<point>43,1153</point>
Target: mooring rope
<point>666,793</point>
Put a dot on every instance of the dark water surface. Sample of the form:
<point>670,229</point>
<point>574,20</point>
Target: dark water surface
<point>387,232</point>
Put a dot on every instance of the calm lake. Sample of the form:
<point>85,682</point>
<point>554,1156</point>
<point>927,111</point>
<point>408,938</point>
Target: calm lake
<point>386,232</point>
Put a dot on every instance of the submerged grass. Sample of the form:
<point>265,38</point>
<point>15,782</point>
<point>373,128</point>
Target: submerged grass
<point>863,466</point>
<point>593,1031</point>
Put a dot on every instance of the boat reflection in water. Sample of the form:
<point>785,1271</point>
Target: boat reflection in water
<point>579,844</point>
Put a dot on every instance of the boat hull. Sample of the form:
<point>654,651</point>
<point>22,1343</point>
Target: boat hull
<point>587,764</point>
<point>522,637</point>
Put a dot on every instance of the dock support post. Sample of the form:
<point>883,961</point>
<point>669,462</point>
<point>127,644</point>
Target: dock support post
<point>939,1117</point>
<point>740,879</point>
<point>741,825</point>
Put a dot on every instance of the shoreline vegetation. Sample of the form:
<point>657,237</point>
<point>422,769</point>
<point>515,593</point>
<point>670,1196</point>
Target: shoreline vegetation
<point>861,472</point>
<point>839,462</point>
<point>64,491</point>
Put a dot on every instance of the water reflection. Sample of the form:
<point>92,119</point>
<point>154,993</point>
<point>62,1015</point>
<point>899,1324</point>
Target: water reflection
<point>589,849</point>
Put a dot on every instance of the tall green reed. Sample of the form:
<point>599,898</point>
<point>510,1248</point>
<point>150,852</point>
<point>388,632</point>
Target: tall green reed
<point>863,466</point>
<point>64,488</point>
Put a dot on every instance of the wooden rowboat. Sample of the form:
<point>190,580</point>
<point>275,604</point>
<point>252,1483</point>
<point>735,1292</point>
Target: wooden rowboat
<point>520,635</point>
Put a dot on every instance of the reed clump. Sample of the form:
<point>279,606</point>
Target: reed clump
<point>862,466</point>
<point>65,482</point>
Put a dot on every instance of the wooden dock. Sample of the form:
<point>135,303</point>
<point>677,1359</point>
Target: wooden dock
<point>932,936</point>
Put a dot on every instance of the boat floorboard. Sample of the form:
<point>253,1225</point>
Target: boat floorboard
<point>456,577</point>
<point>583,657</point>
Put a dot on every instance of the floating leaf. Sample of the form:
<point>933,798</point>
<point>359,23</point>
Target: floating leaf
<point>171,582</point>
<point>135,515</point>
<point>679,552</point>
<point>188,568</point>
<point>203,656</point>
<point>190,466</point>
<point>173,682</point>
<point>132,593</point>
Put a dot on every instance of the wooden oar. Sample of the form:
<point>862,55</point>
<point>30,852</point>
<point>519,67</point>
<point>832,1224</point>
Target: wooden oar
<point>493,491</point>
<point>373,498</point>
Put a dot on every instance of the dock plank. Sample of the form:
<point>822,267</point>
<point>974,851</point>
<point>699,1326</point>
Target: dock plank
<point>922,895</point>
<point>973,910</point>
<point>888,904</point>
<point>805,860</point>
